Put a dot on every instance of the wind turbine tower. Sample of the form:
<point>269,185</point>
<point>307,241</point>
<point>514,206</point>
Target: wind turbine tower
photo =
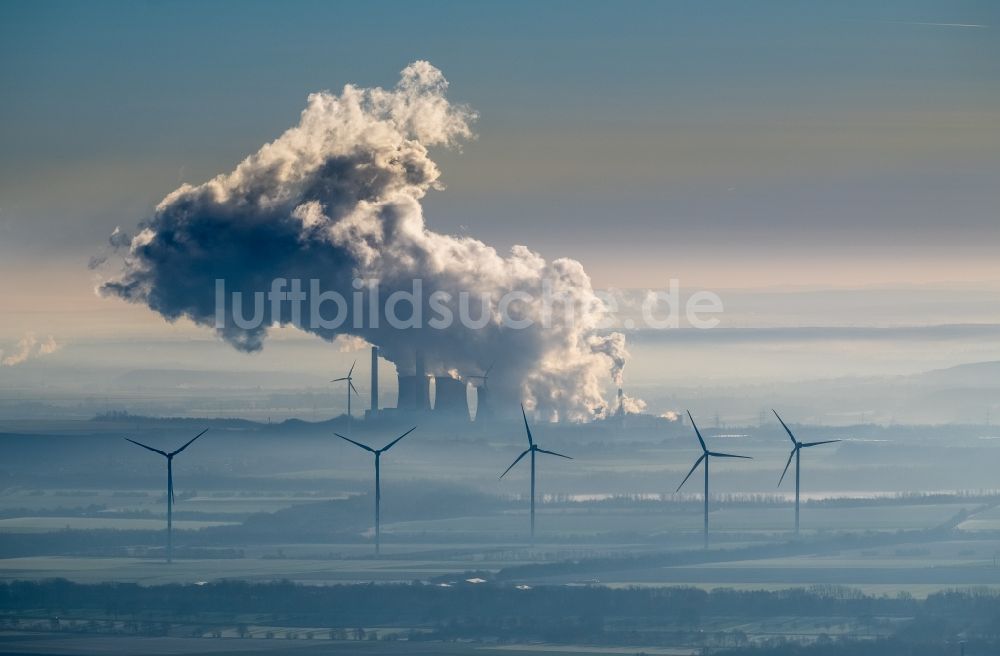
<point>706,455</point>
<point>532,449</point>
<point>797,454</point>
<point>349,379</point>
<point>378,480</point>
<point>170,487</point>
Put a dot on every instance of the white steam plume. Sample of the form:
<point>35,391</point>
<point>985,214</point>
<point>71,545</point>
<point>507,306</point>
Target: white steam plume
<point>337,197</point>
<point>28,348</point>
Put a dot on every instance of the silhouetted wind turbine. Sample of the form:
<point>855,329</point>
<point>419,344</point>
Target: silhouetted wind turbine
<point>350,388</point>
<point>378,480</point>
<point>483,413</point>
<point>796,449</point>
<point>705,455</point>
<point>485,376</point>
<point>532,449</point>
<point>170,487</point>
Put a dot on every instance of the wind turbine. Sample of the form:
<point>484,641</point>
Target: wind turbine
<point>705,455</point>
<point>485,376</point>
<point>170,487</point>
<point>796,453</point>
<point>482,394</point>
<point>350,388</point>
<point>532,449</point>
<point>378,480</point>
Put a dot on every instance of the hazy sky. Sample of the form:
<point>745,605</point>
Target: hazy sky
<point>860,138</point>
<point>728,144</point>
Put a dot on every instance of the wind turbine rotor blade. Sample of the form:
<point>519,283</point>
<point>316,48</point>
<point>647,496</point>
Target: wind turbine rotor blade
<point>351,383</point>
<point>553,453</point>
<point>787,465</point>
<point>390,444</point>
<point>805,444</point>
<point>363,446</point>
<point>337,380</point>
<point>531,441</point>
<point>524,453</point>
<point>162,453</point>
<point>697,432</point>
<point>351,370</point>
<point>716,454</point>
<point>516,460</point>
<point>693,467</point>
<point>489,369</point>
<point>189,442</point>
<point>783,425</point>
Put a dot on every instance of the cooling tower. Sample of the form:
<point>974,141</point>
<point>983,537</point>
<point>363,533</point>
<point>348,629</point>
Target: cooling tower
<point>483,410</point>
<point>451,397</point>
<point>407,393</point>
<point>415,390</point>
<point>374,407</point>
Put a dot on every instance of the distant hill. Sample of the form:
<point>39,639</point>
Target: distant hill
<point>195,379</point>
<point>975,374</point>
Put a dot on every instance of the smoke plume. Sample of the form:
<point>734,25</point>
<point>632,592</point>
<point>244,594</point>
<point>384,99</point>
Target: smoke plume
<point>28,348</point>
<point>337,198</point>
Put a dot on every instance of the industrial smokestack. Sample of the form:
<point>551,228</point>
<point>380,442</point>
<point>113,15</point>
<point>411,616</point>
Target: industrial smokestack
<point>374,408</point>
<point>621,403</point>
<point>423,401</point>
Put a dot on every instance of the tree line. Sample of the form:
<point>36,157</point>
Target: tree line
<point>506,613</point>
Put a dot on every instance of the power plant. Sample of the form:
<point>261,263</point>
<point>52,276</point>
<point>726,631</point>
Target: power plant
<point>427,392</point>
<point>414,396</point>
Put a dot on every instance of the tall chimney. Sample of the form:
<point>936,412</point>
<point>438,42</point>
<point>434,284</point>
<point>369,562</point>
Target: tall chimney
<point>374,408</point>
<point>423,384</point>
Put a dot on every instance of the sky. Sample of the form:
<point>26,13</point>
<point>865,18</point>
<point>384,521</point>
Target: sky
<point>743,147</point>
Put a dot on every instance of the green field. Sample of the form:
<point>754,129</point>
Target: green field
<point>58,645</point>
<point>444,548</point>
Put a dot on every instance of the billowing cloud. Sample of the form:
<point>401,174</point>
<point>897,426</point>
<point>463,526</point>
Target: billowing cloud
<point>350,343</point>
<point>336,199</point>
<point>632,405</point>
<point>117,241</point>
<point>28,348</point>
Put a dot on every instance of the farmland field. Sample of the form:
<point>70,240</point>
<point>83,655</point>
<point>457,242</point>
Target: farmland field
<point>303,514</point>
